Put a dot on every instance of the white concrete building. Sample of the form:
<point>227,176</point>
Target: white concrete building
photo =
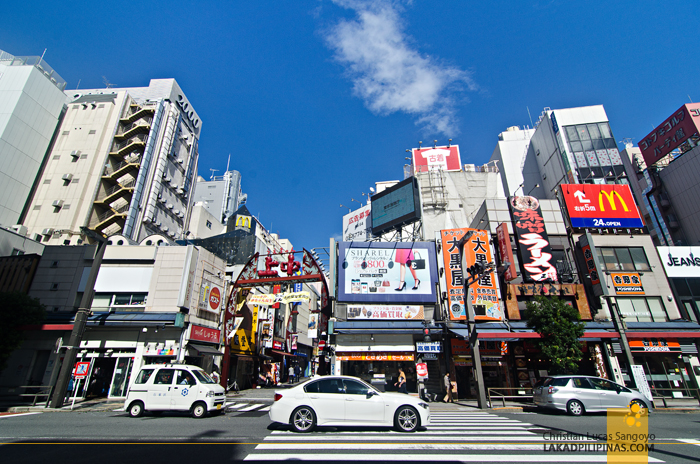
<point>124,162</point>
<point>221,195</point>
<point>31,105</point>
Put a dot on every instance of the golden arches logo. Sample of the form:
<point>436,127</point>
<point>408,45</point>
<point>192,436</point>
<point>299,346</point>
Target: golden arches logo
<point>611,200</point>
<point>243,221</point>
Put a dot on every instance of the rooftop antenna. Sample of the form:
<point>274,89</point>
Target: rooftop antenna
<point>42,55</point>
<point>108,84</point>
<point>691,100</point>
<point>228,162</point>
<point>528,113</point>
<point>78,86</point>
<point>212,173</point>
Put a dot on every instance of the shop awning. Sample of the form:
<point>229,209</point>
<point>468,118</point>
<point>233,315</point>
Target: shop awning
<point>281,353</point>
<point>132,318</point>
<point>491,335</point>
<point>394,327</point>
<point>204,349</point>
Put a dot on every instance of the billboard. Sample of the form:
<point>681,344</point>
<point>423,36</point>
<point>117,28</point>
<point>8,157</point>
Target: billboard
<point>210,296</point>
<point>387,272</point>
<point>395,206</point>
<point>396,312</point>
<point>680,261</point>
<point>437,159</point>
<point>679,127</point>
<point>357,225</point>
<point>484,293</point>
<point>601,206</point>
<point>534,250</point>
<point>506,252</point>
<point>627,283</point>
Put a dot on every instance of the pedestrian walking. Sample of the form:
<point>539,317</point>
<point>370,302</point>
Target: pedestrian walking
<point>401,383</point>
<point>297,372</point>
<point>291,375</point>
<point>448,388</point>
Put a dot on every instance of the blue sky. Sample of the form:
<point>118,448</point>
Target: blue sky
<point>315,100</point>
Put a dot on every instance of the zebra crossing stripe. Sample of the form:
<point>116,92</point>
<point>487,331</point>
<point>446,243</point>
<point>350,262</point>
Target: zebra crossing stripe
<point>237,405</point>
<point>251,407</point>
<point>690,441</point>
<point>408,438</point>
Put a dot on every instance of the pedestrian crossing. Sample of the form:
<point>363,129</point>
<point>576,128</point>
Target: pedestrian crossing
<point>247,407</point>
<point>457,436</point>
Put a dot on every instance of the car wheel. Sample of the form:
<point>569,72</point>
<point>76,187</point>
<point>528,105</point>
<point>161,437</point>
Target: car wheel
<point>303,419</point>
<point>406,419</point>
<point>575,408</point>
<point>199,410</point>
<point>136,409</point>
<point>643,408</point>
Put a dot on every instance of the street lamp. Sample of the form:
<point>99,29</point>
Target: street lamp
<point>533,188</point>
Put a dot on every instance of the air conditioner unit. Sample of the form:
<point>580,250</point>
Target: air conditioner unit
<point>180,190</point>
<point>173,184</point>
<point>170,205</point>
<point>57,203</point>
<point>172,234</point>
<point>165,175</point>
<point>75,153</point>
<point>180,160</point>
<point>158,223</point>
<point>168,179</point>
<point>47,231</point>
<point>165,229</point>
<point>146,219</point>
<point>181,214</point>
<point>176,211</point>
<point>37,237</point>
<point>67,177</point>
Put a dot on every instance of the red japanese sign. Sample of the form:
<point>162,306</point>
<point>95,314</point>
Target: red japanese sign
<point>205,334</point>
<point>506,252</point>
<point>601,206</point>
<point>668,136</point>
<point>533,241</point>
<point>437,159</point>
<point>590,264</point>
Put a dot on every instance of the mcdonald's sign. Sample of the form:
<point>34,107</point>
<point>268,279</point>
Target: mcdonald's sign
<point>243,222</point>
<point>601,206</point>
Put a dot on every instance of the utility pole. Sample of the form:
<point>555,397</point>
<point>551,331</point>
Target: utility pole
<point>476,271</point>
<point>76,336</point>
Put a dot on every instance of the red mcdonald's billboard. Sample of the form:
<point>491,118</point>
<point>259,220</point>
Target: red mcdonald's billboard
<point>601,206</point>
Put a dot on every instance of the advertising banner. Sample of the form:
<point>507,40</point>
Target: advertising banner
<point>379,356</point>
<point>313,326</point>
<point>385,312</point>
<point>680,261</point>
<point>425,347</point>
<point>484,293</point>
<point>387,272</point>
<point>533,242</point>
<point>668,136</point>
<point>627,283</point>
<point>204,334</point>
<point>437,159</point>
<point>210,296</point>
<point>266,337</point>
<point>357,226</point>
<point>655,345</point>
<point>601,206</point>
<point>590,264</point>
<point>270,299</point>
<point>506,252</point>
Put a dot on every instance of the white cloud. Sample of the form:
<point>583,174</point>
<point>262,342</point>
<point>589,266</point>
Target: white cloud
<point>388,74</point>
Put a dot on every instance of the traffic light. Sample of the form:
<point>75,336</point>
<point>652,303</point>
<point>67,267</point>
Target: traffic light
<point>426,335</point>
<point>477,268</point>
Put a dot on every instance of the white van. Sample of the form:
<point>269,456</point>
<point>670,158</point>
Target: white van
<point>174,387</point>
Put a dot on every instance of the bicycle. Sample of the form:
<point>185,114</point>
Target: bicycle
<point>233,386</point>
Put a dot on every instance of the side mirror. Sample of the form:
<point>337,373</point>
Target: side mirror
<point>371,393</point>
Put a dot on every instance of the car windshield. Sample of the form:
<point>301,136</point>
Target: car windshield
<point>556,382</point>
<point>203,377</point>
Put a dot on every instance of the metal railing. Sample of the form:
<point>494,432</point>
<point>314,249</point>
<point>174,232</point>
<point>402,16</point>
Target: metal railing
<point>137,123</point>
<point>109,170</point>
<point>140,138</point>
<point>509,393</point>
<point>657,393</point>
<point>43,391</point>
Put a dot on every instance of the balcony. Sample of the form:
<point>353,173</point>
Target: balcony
<point>136,112</point>
<point>109,217</point>
<point>113,193</point>
<point>142,125</point>
<point>112,173</point>
<point>136,142</point>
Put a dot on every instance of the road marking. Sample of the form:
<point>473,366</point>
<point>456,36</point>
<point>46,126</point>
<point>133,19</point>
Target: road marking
<point>251,407</point>
<point>18,414</point>
<point>690,441</point>
<point>437,457</point>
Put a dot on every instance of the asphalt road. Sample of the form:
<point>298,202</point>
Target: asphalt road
<point>460,435</point>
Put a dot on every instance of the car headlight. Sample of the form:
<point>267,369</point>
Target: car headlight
<point>424,405</point>
<point>210,393</point>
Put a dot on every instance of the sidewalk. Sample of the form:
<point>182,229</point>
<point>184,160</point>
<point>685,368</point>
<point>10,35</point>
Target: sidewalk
<point>267,395</point>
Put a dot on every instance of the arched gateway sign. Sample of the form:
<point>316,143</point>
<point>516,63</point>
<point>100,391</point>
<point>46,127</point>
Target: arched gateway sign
<point>267,271</point>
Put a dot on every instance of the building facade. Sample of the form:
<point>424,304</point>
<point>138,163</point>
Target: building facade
<point>124,162</point>
<point>31,107</point>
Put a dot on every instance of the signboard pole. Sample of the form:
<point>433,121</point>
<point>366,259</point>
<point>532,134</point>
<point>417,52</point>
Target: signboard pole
<point>75,392</point>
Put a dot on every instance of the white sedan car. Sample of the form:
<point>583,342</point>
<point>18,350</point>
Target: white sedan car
<point>342,400</point>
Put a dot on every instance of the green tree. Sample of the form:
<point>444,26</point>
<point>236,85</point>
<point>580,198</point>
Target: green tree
<point>16,309</point>
<point>560,328</point>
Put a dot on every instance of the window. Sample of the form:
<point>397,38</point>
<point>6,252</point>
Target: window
<point>623,259</point>
<point>602,384</point>
<point>82,157</point>
<point>36,207</point>
<point>208,224</point>
<point>143,377</point>
<point>164,377</point>
<point>74,181</point>
<point>641,309</point>
<point>352,387</point>
<point>330,386</point>
<point>581,382</point>
<point>56,157</point>
<point>109,300</point>
<point>312,387</point>
<point>203,377</point>
<point>16,252</point>
<point>93,131</point>
<point>557,382</point>
<point>47,181</point>
<point>185,378</point>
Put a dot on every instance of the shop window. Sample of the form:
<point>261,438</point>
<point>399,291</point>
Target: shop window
<point>119,300</point>
<point>642,309</point>
<point>623,258</point>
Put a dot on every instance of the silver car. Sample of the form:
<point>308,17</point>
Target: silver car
<point>577,394</point>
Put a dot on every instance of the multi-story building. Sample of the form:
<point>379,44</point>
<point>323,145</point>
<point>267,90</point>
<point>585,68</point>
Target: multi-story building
<point>31,106</point>
<point>124,162</point>
<point>221,195</point>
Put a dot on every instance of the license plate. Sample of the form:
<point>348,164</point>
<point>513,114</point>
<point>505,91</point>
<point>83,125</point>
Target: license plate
<point>218,406</point>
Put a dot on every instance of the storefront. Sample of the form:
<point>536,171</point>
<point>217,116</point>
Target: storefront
<point>203,347</point>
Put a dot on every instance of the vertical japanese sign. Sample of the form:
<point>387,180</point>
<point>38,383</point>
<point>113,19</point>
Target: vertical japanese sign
<point>484,293</point>
<point>590,264</point>
<point>506,252</point>
<point>533,242</point>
